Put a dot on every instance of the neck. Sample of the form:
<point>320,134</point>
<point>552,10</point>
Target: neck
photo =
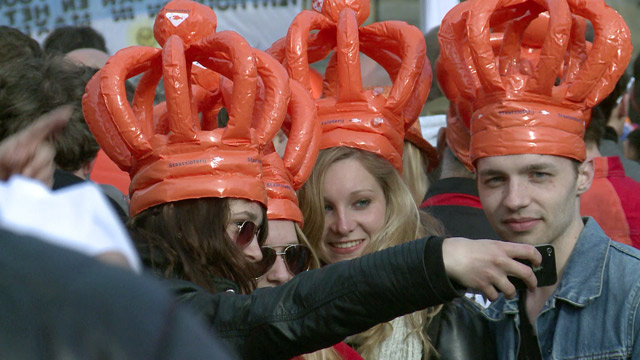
<point>80,173</point>
<point>563,249</point>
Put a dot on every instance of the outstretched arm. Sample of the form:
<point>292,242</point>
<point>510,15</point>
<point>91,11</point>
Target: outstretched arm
<point>319,308</point>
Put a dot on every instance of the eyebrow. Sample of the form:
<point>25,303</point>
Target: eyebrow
<point>538,167</point>
<point>355,193</point>
<point>529,168</point>
<point>248,214</point>
<point>358,192</point>
<point>491,172</point>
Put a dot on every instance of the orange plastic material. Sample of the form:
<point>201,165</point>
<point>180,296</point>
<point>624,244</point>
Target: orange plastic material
<point>460,109</point>
<point>350,115</point>
<point>169,152</point>
<point>283,176</point>
<point>537,103</point>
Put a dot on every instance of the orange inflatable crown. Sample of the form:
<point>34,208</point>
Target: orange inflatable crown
<point>460,109</point>
<point>175,151</point>
<point>533,104</point>
<point>350,115</point>
<point>284,176</point>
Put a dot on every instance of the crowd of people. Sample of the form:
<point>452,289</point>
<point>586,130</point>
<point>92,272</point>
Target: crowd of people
<point>206,199</point>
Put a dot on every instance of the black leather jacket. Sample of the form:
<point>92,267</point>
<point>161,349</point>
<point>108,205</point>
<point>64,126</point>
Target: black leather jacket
<point>460,332</point>
<point>319,308</point>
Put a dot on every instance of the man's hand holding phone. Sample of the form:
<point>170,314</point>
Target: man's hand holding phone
<point>545,273</point>
<point>484,265</point>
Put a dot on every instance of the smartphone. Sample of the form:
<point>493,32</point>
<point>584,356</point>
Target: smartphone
<point>545,273</point>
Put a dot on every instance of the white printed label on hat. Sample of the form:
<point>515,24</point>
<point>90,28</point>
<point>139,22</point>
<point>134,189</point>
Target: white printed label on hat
<point>176,18</point>
<point>317,5</point>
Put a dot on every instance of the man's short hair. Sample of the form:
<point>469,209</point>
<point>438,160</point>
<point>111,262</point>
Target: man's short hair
<point>613,99</point>
<point>596,128</point>
<point>35,86</point>
<point>68,38</point>
<point>16,45</point>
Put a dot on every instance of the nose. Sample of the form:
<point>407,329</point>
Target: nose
<point>516,196</point>
<point>279,274</point>
<point>252,251</point>
<point>343,222</point>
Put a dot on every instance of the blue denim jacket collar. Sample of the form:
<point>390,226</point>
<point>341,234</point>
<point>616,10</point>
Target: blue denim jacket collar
<point>582,280</point>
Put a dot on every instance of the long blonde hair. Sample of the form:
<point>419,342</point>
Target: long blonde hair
<point>403,223</point>
<point>414,172</point>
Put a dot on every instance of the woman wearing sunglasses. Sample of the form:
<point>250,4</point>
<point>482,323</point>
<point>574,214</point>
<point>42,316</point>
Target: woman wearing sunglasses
<point>198,200</point>
<point>286,252</point>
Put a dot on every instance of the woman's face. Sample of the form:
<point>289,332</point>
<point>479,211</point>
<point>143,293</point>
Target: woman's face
<point>282,233</point>
<point>354,210</point>
<point>241,210</point>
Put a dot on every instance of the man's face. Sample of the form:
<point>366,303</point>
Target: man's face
<point>530,198</point>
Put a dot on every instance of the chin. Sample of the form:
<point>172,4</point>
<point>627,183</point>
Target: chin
<point>530,239</point>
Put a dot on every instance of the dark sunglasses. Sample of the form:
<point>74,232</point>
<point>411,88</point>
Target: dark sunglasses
<point>297,258</point>
<point>246,231</point>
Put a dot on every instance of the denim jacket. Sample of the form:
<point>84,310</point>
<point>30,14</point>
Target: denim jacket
<point>592,314</point>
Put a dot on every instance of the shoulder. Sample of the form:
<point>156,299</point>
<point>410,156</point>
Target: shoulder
<point>624,267</point>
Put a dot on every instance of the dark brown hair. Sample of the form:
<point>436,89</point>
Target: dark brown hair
<point>187,239</point>
<point>67,38</point>
<point>34,86</point>
<point>16,45</point>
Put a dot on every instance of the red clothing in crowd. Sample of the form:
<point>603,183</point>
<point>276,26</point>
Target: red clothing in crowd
<point>345,351</point>
<point>614,201</point>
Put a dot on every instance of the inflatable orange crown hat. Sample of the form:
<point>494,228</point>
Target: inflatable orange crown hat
<point>281,176</point>
<point>531,109</point>
<point>179,156</point>
<point>284,176</point>
<point>350,115</point>
<point>460,111</point>
<point>458,117</point>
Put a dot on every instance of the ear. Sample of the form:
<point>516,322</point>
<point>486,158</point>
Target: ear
<point>585,176</point>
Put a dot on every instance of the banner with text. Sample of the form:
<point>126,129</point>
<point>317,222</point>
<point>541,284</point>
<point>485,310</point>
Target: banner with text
<point>129,22</point>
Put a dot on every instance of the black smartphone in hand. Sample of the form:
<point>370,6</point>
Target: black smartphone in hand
<point>545,273</point>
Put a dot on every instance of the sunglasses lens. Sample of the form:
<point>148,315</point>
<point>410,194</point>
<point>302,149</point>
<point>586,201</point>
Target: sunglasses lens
<point>298,258</point>
<point>269,257</point>
<point>246,233</point>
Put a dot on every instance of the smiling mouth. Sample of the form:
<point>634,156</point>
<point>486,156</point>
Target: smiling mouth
<point>521,225</point>
<point>346,244</point>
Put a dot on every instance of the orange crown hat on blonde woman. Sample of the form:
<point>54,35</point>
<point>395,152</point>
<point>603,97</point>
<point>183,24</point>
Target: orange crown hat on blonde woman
<point>350,115</point>
<point>170,153</point>
<point>531,109</point>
